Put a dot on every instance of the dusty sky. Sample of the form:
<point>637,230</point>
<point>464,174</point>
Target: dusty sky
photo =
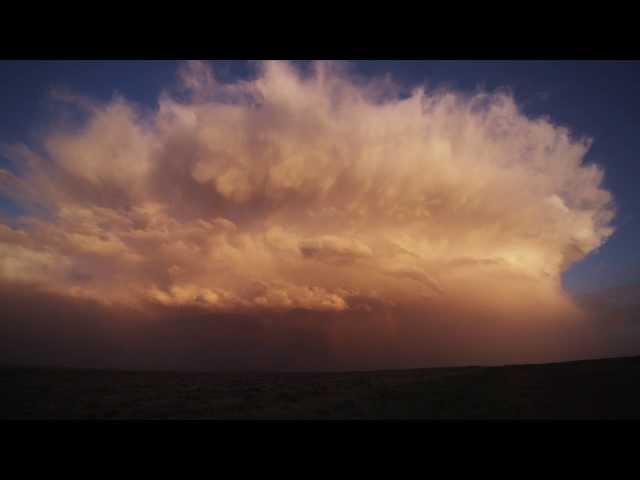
<point>298,219</point>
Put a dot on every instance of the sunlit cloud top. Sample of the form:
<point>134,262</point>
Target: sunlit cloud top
<point>312,190</point>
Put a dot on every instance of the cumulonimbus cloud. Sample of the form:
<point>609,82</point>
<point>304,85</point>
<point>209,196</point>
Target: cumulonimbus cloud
<point>307,191</point>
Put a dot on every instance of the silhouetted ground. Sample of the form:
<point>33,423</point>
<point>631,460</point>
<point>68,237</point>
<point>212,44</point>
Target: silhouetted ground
<point>586,389</point>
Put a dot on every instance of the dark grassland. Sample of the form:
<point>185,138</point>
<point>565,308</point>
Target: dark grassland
<point>585,389</point>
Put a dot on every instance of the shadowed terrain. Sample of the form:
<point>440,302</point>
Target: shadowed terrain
<point>584,389</point>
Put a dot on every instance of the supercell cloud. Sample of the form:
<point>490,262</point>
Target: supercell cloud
<point>301,219</point>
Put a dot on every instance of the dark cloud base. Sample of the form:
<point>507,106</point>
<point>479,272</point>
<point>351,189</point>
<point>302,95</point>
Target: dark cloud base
<point>46,329</point>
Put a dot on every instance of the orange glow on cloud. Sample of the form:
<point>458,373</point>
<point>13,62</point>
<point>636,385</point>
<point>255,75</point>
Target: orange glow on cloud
<point>315,192</point>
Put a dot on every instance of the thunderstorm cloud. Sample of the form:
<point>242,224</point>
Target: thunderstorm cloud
<point>302,218</point>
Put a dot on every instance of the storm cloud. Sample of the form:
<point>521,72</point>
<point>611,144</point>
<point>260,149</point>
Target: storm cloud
<point>341,221</point>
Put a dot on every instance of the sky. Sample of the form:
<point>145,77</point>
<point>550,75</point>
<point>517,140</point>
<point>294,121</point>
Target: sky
<point>316,215</point>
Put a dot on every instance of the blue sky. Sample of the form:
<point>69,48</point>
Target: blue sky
<point>596,99</point>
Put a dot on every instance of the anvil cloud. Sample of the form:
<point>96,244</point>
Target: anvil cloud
<point>392,219</point>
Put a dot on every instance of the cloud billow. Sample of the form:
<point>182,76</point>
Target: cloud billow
<point>313,192</point>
